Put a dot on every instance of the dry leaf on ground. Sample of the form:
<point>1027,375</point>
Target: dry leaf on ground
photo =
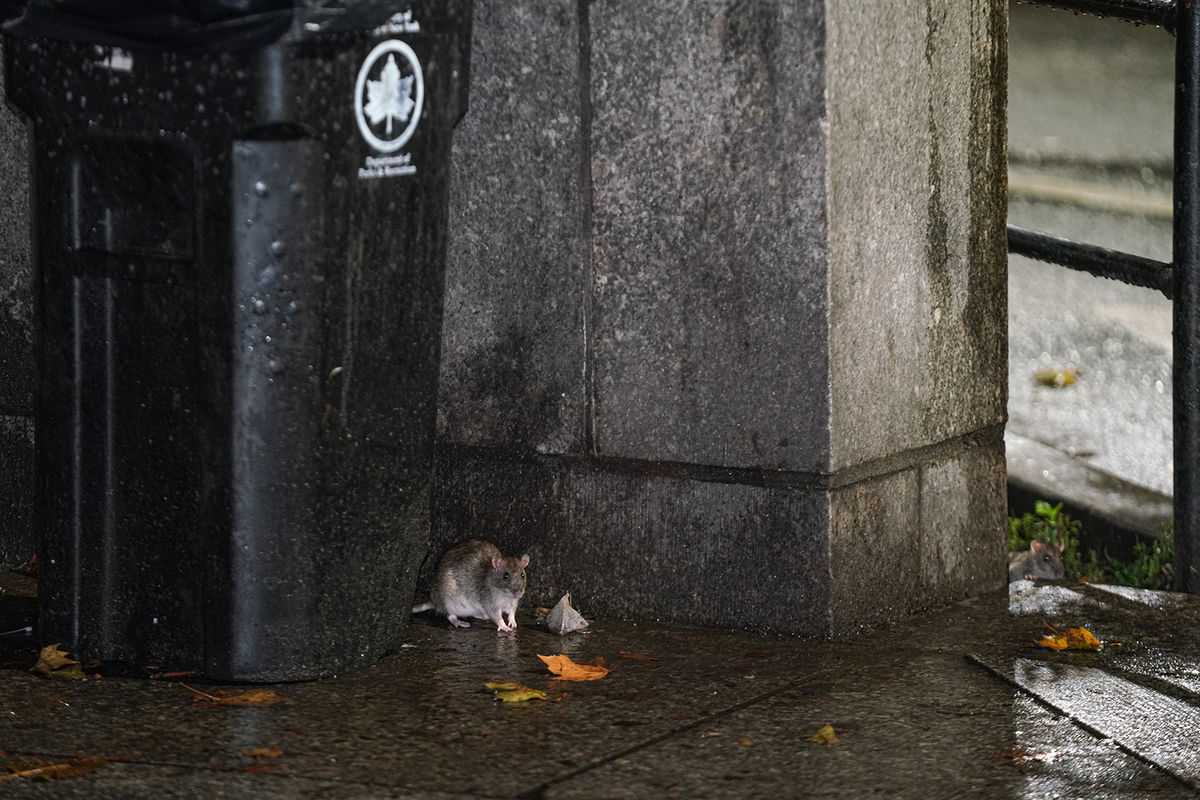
<point>745,741</point>
<point>509,692</point>
<point>823,735</point>
<point>1019,756</point>
<point>50,770</point>
<point>53,662</point>
<point>1072,639</point>
<point>635,656</point>
<point>229,697</point>
<point>1056,378</point>
<point>262,752</point>
<point>565,669</point>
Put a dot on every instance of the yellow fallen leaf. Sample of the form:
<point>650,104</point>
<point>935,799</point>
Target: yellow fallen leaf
<point>565,669</point>
<point>1083,638</point>
<point>50,770</point>
<point>521,695</point>
<point>1056,378</point>
<point>54,662</point>
<point>1073,639</point>
<point>745,741</point>
<point>229,697</point>
<point>262,752</point>
<point>824,735</point>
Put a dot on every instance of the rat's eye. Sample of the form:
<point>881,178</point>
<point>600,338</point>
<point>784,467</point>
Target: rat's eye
<point>1046,558</point>
<point>506,576</point>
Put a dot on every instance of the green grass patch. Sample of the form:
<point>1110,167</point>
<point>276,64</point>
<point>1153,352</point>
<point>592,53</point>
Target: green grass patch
<point>1151,567</point>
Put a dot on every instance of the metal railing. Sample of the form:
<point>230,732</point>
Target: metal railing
<point>1179,280</point>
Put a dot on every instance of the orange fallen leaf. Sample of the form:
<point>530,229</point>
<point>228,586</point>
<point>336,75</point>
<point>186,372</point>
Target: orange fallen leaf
<point>259,768</point>
<point>262,752</point>
<point>635,656</point>
<point>51,770</point>
<point>53,662</point>
<point>745,741</point>
<point>823,735</point>
<point>1082,637</point>
<point>229,697</point>
<point>565,669</point>
<point>1073,639</point>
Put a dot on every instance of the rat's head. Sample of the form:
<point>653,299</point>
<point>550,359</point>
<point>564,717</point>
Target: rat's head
<point>1047,560</point>
<point>509,573</point>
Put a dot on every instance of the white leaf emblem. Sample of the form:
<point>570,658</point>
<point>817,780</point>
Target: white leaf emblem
<point>390,97</point>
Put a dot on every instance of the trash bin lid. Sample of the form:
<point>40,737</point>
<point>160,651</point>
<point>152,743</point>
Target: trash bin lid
<point>192,24</point>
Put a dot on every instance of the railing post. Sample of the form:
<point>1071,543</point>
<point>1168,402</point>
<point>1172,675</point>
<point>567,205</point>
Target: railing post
<point>1186,328</point>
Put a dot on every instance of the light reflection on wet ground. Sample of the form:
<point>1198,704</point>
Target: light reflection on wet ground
<point>718,714</point>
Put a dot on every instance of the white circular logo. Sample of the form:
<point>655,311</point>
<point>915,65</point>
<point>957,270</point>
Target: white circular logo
<point>388,95</point>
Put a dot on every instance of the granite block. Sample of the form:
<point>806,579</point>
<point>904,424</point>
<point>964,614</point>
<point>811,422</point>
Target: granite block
<point>710,341</point>
<point>964,525</point>
<point>644,546</point>
<point>916,223</point>
<point>875,555</point>
<point>513,342</point>
<point>17,539</point>
<point>16,289</point>
<point>923,536</point>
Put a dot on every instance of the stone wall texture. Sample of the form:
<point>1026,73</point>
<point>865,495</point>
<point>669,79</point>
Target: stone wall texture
<point>725,336</point>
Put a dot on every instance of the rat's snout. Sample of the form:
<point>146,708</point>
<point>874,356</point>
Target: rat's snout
<point>519,593</point>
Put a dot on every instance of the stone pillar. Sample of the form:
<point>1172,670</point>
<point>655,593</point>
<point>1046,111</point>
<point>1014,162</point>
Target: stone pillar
<point>16,342</point>
<point>724,336</point>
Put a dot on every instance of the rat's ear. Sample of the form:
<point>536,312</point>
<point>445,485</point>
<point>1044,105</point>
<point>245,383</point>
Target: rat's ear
<point>525,560</point>
<point>1037,546</point>
<point>1062,546</point>
<point>497,561</point>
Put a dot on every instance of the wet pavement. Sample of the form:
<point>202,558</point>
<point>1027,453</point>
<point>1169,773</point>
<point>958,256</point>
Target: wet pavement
<point>1090,126</point>
<point>954,702</point>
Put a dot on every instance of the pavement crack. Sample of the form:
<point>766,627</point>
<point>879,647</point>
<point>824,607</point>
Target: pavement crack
<point>538,792</point>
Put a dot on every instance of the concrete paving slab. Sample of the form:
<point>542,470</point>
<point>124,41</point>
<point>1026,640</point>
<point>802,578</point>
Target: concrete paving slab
<point>396,724</point>
<point>965,735</point>
<point>1158,729</point>
<point>718,714</point>
<point>164,781</point>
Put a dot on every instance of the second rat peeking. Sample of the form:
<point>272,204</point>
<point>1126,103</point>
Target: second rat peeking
<point>474,579</point>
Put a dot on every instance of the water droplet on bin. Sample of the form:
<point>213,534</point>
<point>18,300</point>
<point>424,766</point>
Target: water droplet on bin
<point>260,189</point>
<point>260,307</point>
<point>278,247</point>
<point>275,366</point>
<point>267,339</point>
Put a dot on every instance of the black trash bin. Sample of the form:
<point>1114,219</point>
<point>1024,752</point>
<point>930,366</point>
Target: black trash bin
<point>239,218</point>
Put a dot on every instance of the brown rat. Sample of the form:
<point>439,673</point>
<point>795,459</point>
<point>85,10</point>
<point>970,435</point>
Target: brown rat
<point>1041,561</point>
<point>473,579</point>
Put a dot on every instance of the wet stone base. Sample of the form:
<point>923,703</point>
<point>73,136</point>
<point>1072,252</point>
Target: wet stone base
<point>733,548</point>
